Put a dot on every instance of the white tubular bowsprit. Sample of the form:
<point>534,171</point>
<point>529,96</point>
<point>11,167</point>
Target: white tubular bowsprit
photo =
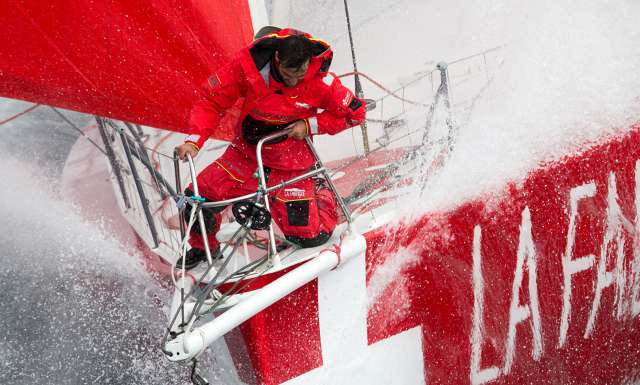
<point>189,345</point>
<point>190,340</point>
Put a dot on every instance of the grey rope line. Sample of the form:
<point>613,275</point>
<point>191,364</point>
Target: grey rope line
<point>70,123</point>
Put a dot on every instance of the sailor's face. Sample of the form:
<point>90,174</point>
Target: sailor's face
<point>293,76</point>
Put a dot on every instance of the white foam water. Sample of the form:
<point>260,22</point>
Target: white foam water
<point>569,76</point>
<point>569,80</point>
<point>76,307</point>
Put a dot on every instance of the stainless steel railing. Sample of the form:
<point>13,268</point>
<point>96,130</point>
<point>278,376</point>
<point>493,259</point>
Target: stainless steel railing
<point>261,196</point>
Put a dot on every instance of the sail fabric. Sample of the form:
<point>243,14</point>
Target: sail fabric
<point>140,61</point>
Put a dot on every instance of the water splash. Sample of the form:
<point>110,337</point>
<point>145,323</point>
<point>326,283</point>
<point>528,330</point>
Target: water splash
<point>569,84</point>
<point>77,308</point>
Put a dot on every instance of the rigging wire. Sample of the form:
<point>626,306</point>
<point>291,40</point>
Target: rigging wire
<point>72,125</point>
<point>19,114</point>
<point>382,87</point>
<point>358,85</point>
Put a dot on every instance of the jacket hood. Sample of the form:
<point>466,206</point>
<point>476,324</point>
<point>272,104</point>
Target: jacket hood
<point>263,49</point>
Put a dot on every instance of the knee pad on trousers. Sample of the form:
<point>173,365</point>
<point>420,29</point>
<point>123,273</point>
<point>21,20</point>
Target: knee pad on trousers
<point>309,242</point>
<point>208,213</point>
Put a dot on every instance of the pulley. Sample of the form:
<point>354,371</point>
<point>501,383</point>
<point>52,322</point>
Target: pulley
<point>260,216</point>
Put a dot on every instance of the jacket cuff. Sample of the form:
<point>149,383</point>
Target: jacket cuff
<point>193,145</point>
<point>196,140</point>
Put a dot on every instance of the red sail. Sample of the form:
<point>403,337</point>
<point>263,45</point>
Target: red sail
<point>138,61</point>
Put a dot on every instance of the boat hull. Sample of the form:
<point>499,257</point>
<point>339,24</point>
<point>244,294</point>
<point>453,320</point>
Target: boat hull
<point>536,284</point>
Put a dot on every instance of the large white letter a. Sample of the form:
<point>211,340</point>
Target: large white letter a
<point>517,312</point>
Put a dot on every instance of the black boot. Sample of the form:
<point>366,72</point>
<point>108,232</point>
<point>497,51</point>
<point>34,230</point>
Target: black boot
<point>195,256</point>
<point>192,259</point>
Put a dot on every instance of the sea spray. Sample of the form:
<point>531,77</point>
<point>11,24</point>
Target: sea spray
<point>569,80</point>
<point>77,308</point>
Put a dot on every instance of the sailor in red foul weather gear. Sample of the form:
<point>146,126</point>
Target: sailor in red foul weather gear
<point>285,82</point>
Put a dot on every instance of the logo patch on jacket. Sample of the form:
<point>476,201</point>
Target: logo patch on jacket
<point>303,105</point>
<point>294,192</point>
<point>214,81</point>
<point>347,99</point>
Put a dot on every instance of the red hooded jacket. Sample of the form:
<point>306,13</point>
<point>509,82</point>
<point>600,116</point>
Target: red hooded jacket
<point>271,105</point>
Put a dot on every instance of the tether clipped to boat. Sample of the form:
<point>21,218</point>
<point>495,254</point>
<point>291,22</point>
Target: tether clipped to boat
<point>196,378</point>
<point>182,200</point>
